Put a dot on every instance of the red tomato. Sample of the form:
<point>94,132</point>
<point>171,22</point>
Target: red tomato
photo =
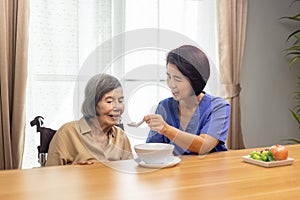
<point>279,152</point>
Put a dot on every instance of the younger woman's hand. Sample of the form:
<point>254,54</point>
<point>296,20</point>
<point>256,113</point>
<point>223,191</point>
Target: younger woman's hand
<point>155,122</point>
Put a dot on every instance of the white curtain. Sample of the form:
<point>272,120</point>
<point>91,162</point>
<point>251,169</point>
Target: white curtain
<point>126,38</point>
<point>62,34</point>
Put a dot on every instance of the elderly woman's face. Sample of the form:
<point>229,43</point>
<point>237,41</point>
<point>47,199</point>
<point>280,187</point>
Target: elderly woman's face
<point>179,84</point>
<point>110,107</point>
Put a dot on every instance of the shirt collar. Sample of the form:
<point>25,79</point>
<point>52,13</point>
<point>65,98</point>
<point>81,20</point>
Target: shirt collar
<point>85,128</point>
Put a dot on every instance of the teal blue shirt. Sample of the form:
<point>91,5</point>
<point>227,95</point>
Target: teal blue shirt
<point>211,117</point>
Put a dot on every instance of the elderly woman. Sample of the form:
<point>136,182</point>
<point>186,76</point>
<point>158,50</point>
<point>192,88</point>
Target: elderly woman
<point>95,137</point>
<point>193,120</point>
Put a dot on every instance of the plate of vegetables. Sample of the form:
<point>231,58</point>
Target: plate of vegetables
<point>276,155</point>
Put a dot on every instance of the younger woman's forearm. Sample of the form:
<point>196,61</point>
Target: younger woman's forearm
<point>200,144</point>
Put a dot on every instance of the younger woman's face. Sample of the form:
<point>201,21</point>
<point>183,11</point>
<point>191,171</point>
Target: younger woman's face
<point>178,83</point>
<point>110,108</point>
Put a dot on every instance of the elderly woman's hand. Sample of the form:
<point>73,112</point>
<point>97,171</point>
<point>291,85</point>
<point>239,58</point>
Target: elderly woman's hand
<point>155,122</point>
<point>85,162</point>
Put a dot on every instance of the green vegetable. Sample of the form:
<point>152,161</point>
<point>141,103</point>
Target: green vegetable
<point>255,155</point>
<point>270,156</point>
<point>264,155</point>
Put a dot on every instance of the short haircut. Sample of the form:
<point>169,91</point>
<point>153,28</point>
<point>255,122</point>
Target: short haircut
<point>192,63</point>
<point>95,89</point>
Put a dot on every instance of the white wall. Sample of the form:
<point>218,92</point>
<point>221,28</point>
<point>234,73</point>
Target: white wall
<point>266,80</point>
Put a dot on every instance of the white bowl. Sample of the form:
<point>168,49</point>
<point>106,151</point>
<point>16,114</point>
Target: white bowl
<point>154,153</point>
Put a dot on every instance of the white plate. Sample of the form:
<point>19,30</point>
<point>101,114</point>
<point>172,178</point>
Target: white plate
<point>172,162</point>
<point>288,161</point>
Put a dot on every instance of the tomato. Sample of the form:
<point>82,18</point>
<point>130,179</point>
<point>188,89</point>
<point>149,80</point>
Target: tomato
<point>279,152</point>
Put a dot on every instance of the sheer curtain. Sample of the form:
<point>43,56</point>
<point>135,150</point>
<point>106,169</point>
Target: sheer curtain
<point>163,25</point>
<point>128,39</point>
<point>62,35</point>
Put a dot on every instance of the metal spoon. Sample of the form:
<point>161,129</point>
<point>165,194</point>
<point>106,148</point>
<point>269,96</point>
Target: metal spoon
<point>135,124</point>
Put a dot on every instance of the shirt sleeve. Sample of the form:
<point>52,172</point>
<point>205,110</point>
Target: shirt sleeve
<point>217,122</point>
<point>55,152</point>
<point>127,151</point>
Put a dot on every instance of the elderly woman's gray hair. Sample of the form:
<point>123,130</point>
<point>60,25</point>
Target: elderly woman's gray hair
<point>95,89</point>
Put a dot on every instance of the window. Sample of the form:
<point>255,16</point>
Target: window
<point>131,38</point>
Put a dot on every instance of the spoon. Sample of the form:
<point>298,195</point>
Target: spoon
<point>135,124</point>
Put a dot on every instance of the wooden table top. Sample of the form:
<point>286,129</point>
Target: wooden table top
<point>221,175</point>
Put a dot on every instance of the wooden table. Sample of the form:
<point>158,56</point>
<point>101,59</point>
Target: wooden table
<point>217,176</point>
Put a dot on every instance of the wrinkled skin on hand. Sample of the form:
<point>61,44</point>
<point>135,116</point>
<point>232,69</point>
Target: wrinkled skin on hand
<point>85,162</point>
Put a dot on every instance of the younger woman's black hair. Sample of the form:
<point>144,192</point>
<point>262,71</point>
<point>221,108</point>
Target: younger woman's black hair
<point>192,63</point>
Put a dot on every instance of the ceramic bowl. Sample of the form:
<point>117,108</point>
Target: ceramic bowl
<point>154,153</point>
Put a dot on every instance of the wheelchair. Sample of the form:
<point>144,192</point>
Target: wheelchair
<point>46,135</point>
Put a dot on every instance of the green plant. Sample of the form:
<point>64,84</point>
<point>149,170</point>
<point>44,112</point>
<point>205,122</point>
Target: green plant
<point>293,52</point>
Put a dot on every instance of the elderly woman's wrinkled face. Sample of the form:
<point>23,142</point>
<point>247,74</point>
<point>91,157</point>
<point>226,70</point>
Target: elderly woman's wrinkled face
<point>110,108</point>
